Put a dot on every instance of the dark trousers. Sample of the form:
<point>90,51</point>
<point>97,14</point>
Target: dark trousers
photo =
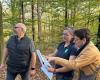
<point>84,77</point>
<point>12,75</point>
<point>63,78</point>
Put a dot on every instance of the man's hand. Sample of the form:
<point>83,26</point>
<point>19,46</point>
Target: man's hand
<point>2,66</point>
<point>32,73</point>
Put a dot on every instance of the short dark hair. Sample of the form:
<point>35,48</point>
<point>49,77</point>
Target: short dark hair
<point>83,33</point>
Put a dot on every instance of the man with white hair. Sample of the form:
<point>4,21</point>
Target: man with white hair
<point>19,55</point>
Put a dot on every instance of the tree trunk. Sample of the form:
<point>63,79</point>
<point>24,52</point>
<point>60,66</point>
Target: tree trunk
<point>88,22</point>
<point>33,29</point>
<point>98,35</point>
<point>21,11</point>
<point>1,32</point>
<point>39,23</point>
<point>13,12</point>
<point>74,12</point>
<point>66,13</point>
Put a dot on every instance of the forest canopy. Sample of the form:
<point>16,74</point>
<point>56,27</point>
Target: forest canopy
<point>45,19</point>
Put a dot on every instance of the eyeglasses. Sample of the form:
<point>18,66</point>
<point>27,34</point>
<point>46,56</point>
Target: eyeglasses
<point>16,27</point>
<point>76,39</point>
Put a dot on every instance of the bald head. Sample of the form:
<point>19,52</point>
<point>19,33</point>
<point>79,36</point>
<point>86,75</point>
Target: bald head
<point>21,25</point>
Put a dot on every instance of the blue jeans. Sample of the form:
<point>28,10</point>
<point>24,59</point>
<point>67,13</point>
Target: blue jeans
<point>12,75</point>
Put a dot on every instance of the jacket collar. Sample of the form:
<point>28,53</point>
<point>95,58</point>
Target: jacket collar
<point>90,44</point>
